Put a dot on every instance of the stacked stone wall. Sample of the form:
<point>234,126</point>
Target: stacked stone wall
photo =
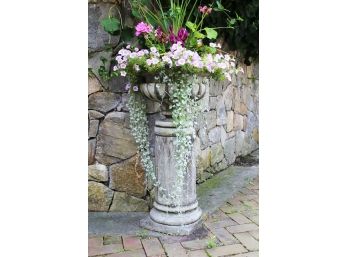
<point>227,128</point>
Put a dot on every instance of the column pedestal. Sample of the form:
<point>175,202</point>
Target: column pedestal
<point>167,216</point>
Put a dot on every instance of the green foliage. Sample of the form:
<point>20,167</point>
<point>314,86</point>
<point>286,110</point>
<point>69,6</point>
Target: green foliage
<point>212,242</point>
<point>111,25</point>
<point>191,26</point>
<point>243,17</point>
<point>103,71</point>
<point>211,33</point>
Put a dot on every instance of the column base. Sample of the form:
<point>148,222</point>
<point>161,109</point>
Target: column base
<point>178,230</point>
<point>180,221</point>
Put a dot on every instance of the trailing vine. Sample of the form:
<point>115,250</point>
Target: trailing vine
<point>184,109</point>
<point>182,115</point>
<point>140,132</point>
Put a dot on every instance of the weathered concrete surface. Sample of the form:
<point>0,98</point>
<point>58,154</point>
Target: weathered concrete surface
<point>216,191</point>
<point>211,195</point>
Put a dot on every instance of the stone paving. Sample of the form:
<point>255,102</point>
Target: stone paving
<point>232,230</point>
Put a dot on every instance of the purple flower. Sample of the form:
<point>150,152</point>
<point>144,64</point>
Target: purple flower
<point>142,28</point>
<point>160,35</point>
<point>180,38</point>
<point>172,38</point>
<point>182,35</point>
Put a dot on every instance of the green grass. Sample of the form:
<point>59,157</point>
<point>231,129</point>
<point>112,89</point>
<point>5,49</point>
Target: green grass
<point>212,243</point>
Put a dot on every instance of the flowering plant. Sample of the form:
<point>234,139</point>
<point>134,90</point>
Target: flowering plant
<point>172,42</point>
<point>134,62</point>
<point>177,50</point>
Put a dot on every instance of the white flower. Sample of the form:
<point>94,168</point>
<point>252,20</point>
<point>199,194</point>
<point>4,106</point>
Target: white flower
<point>153,49</point>
<point>119,59</point>
<point>149,62</point>
<point>146,51</point>
<point>123,73</point>
<point>128,47</point>
<point>136,49</point>
<point>212,45</point>
<point>140,53</point>
<point>174,47</point>
<point>197,64</point>
<point>218,45</point>
<point>136,67</point>
<point>123,66</point>
<point>115,68</point>
<point>176,55</point>
<point>166,59</point>
<point>222,65</point>
<point>132,55</point>
<point>227,57</point>
<point>181,61</point>
<point>155,61</point>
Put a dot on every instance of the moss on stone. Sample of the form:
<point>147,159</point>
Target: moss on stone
<point>215,182</point>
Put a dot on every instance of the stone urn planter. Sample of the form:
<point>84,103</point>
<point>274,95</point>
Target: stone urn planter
<point>167,216</point>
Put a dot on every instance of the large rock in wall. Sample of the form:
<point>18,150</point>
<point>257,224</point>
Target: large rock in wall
<point>226,128</point>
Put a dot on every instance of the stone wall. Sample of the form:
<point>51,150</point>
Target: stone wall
<point>227,128</point>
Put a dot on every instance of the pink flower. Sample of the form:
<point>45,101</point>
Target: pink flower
<point>142,28</point>
<point>205,9</point>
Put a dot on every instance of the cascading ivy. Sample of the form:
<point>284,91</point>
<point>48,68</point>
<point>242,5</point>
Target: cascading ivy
<point>184,108</point>
<point>140,132</point>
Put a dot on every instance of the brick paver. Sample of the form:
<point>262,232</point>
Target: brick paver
<point>105,249</point>
<point>135,253</point>
<point>248,241</point>
<point>107,240</point>
<point>239,218</point>
<point>95,242</point>
<point>242,228</point>
<point>153,247</point>
<point>226,250</point>
<point>175,250</point>
<point>195,244</point>
<point>234,227</point>
<point>224,236</point>
<point>255,234</point>
<point>255,219</point>
<point>131,243</point>
<point>198,253</point>
<point>220,224</point>
<point>249,254</point>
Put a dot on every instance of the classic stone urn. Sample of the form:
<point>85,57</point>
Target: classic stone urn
<point>166,216</point>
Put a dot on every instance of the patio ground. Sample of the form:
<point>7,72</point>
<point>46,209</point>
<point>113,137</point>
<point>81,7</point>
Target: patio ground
<point>229,230</point>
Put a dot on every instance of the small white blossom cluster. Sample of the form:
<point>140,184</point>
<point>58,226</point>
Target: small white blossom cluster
<point>178,56</point>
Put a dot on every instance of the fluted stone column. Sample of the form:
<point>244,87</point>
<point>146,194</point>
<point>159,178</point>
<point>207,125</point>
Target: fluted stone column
<point>167,216</point>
